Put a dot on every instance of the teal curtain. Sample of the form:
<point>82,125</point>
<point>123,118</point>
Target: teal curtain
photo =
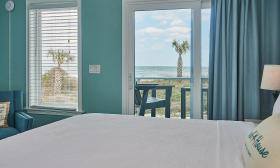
<point>239,47</point>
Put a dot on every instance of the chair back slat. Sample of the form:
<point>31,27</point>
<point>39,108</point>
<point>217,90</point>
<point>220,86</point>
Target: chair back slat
<point>153,102</point>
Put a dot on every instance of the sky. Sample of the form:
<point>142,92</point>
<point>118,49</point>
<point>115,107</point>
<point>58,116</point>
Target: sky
<point>155,31</point>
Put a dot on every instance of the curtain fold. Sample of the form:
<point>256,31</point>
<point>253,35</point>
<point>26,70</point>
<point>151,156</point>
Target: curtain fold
<point>235,66</point>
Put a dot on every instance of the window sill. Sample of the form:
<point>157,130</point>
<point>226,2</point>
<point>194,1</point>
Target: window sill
<point>47,111</point>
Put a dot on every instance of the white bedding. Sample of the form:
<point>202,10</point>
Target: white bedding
<point>114,141</point>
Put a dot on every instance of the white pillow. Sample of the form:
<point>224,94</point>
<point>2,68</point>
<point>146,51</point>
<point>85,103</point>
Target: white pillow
<point>262,147</point>
<point>276,107</point>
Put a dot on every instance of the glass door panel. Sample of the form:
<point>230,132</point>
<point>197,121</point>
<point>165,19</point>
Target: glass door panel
<point>163,56</point>
<point>205,37</point>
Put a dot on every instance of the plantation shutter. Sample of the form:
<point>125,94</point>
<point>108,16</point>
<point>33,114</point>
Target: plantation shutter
<point>53,56</point>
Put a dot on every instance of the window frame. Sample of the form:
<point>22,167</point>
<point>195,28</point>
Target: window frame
<point>52,4</point>
<point>128,71</point>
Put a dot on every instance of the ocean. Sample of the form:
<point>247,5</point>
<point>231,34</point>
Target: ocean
<point>164,72</point>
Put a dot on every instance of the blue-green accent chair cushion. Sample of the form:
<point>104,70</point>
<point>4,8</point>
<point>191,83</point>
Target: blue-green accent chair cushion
<point>18,121</point>
<point>7,132</point>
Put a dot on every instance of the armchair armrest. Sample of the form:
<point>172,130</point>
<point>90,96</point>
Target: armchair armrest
<point>167,88</point>
<point>164,87</point>
<point>23,122</point>
<point>145,87</point>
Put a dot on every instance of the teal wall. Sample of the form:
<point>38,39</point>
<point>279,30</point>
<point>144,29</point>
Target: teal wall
<point>101,44</point>
<point>4,68</point>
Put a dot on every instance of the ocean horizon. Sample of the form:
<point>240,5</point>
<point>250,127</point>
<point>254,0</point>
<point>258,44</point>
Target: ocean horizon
<point>165,72</point>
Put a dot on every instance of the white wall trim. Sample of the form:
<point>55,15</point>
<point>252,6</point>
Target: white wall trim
<point>196,65</point>
<point>129,7</point>
<point>27,54</point>
<point>80,58</point>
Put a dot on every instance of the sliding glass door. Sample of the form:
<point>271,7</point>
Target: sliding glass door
<point>163,55</point>
<point>166,44</point>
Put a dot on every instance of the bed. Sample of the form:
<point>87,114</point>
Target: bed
<point>118,141</point>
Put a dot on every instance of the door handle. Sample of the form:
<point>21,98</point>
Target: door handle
<point>130,81</point>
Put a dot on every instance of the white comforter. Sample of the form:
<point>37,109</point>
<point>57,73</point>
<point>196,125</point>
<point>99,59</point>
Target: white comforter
<point>114,141</point>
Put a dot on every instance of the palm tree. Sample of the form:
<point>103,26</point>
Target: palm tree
<point>181,49</point>
<point>59,57</point>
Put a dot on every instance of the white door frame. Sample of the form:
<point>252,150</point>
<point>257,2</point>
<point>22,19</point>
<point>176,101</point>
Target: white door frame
<point>128,48</point>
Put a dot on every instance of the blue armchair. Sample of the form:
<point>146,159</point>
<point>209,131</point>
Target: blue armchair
<point>18,121</point>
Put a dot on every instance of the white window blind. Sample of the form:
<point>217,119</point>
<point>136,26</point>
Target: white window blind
<point>53,56</point>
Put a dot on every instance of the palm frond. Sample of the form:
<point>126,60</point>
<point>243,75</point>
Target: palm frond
<point>60,56</point>
<point>180,48</point>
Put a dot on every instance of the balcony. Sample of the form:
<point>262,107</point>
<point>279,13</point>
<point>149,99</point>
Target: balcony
<point>181,96</point>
